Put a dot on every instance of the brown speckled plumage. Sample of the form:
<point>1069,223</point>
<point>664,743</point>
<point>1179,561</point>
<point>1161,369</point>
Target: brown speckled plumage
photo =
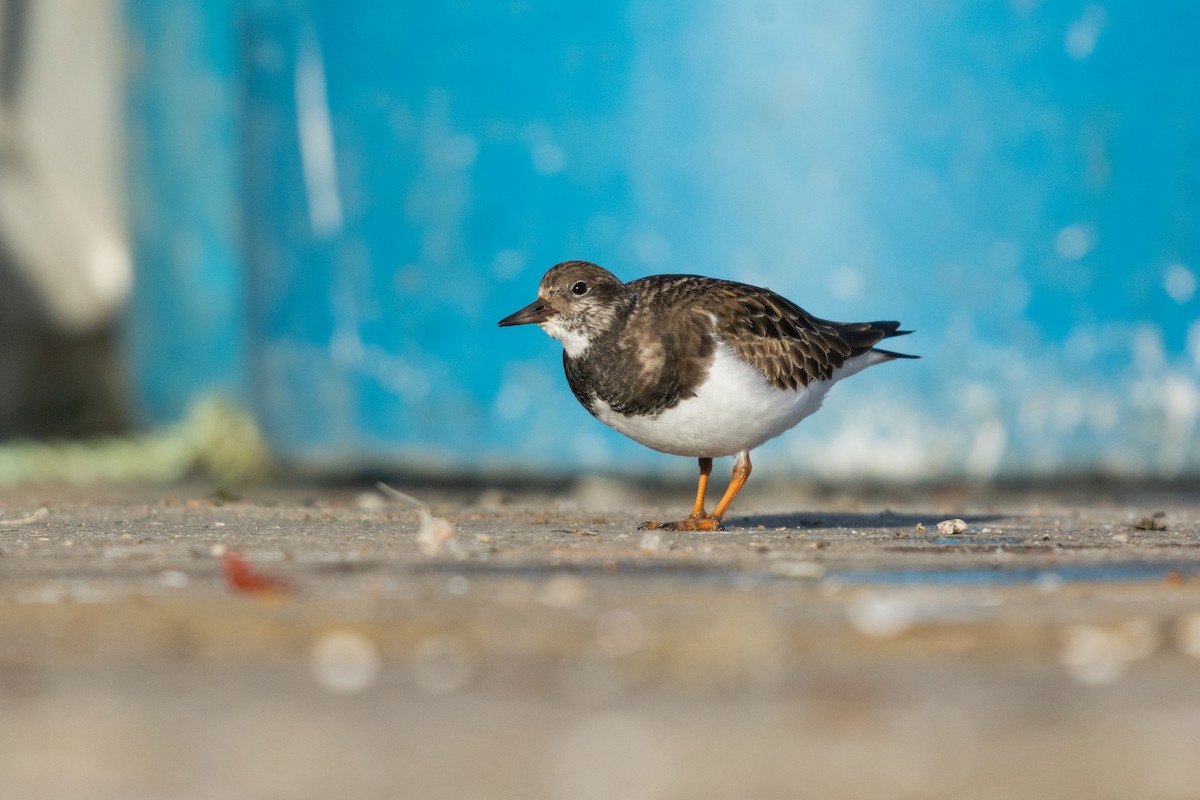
<point>672,323</point>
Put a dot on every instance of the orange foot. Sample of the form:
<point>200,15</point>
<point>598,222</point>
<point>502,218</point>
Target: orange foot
<point>693,523</point>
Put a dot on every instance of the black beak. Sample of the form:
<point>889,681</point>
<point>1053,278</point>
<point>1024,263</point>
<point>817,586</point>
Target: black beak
<point>535,312</point>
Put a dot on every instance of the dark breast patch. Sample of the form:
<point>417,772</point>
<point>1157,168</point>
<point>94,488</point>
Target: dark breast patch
<point>659,357</point>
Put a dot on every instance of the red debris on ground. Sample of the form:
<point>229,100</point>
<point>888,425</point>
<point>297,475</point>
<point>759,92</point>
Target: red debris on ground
<point>242,576</point>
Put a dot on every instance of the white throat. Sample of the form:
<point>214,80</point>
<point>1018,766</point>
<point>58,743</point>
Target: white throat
<point>575,342</point>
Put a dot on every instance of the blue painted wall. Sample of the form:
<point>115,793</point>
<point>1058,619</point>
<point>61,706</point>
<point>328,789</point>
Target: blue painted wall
<point>1019,181</point>
<point>185,330</point>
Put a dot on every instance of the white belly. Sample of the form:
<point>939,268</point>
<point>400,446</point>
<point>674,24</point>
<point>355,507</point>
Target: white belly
<point>735,409</point>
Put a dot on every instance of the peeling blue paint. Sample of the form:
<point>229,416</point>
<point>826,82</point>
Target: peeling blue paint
<point>1020,182</point>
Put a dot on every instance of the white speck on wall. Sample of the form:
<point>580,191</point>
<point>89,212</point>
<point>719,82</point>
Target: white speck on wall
<point>1074,242</point>
<point>1148,351</point>
<point>1181,407</point>
<point>394,373</point>
<point>977,399</point>
<point>1103,414</point>
<point>1082,344</point>
<point>409,278</point>
<point>1069,413</point>
<point>1032,414</point>
<point>1004,255</point>
<point>1084,32</point>
<point>548,158</point>
<point>1016,294</point>
<point>508,264</point>
<point>881,441</point>
<point>987,450</point>
<point>846,283</point>
<point>1181,399</point>
<point>460,150</point>
<point>592,450</point>
<point>346,344</point>
<point>1179,283</point>
<point>1053,413</point>
<point>512,402</point>
<point>317,152</point>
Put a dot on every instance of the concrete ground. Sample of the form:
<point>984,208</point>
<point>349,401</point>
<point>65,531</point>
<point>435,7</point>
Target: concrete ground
<point>295,642</point>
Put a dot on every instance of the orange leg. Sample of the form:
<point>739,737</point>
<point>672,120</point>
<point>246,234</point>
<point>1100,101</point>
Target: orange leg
<point>702,488</point>
<point>700,521</point>
<point>741,473</point>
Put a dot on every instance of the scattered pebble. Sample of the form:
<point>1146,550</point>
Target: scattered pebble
<point>1120,538</point>
<point>1049,582</point>
<point>1097,655</point>
<point>370,502</point>
<point>652,542</point>
<point>562,591</point>
<point>798,569</point>
<point>951,527</point>
<point>344,662</point>
<point>440,665</point>
<point>173,578</point>
<point>1092,655</point>
<point>881,615</point>
<point>1153,522</point>
<point>620,633</point>
<point>435,535</point>
<point>493,499</point>
<point>920,527</point>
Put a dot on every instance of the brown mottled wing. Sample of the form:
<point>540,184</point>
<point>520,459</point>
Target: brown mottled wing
<point>783,341</point>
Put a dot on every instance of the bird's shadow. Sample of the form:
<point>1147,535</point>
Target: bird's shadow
<point>818,520</point>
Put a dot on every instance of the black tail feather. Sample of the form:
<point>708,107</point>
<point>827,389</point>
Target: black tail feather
<point>892,353</point>
<point>890,329</point>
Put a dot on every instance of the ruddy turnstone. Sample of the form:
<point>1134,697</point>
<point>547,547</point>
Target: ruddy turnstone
<point>696,366</point>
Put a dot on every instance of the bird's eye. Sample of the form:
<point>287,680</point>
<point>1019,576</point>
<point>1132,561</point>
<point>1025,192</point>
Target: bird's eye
<point>579,289</point>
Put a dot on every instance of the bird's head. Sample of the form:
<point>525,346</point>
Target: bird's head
<point>577,302</point>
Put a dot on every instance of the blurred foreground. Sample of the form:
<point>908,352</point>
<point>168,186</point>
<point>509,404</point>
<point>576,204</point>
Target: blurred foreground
<point>287,642</point>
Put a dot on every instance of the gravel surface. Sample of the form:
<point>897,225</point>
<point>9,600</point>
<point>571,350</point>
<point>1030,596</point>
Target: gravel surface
<point>313,641</point>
